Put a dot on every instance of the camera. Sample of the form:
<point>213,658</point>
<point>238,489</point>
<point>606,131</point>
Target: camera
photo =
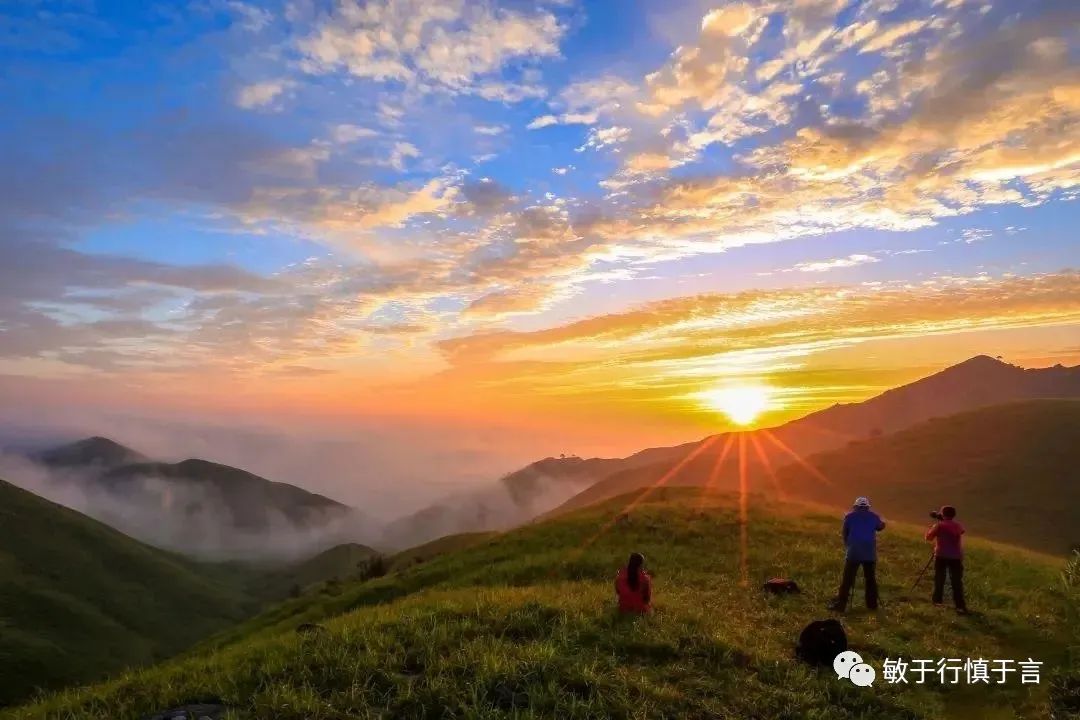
<point>936,515</point>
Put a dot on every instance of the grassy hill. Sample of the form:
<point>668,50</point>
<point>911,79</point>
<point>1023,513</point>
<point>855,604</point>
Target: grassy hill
<point>522,625</point>
<point>975,383</point>
<point>341,562</point>
<point>79,600</point>
<point>1013,471</point>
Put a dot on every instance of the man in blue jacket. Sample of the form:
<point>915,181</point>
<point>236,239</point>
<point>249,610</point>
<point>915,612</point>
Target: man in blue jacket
<point>860,530</point>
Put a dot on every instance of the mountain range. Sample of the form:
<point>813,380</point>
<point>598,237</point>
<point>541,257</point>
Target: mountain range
<point>194,506</point>
<point>225,507</point>
<point>981,381</point>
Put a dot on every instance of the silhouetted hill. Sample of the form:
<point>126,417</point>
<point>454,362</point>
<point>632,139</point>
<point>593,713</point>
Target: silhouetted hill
<point>254,503</point>
<point>93,451</point>
<point>194,506</point>
<point>79,599</point>
<point>514,499</point>
<point>1013,471</point>
<point>979,382</point>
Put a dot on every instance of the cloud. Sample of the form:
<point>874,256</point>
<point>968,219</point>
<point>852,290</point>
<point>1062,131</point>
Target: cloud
<point>261,94</point>
<point>347,133</point>
<point>826,265</point>
<point>449,46</point>
<point>490,130</point>
<point>400,152</point>
<point>584,102</point>
<point>675,347</point>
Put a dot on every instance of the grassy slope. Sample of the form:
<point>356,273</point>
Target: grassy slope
<point>1013,471</point>
<point>341,562</point>
<point>522,625</point>
<point>79,600</point>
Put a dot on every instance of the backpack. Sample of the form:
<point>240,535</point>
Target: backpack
<point>821,641</point>
<point>780,586</point>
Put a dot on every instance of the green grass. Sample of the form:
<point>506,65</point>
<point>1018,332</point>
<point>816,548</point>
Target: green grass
<point>1013,471</point>
<point>341,562</point>
<point>79,600</point>
<point>522,625</point>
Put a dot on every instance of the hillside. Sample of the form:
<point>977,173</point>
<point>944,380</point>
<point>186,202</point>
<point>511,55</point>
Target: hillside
<point>341,562</point>
<point>79,600</point>
<point>976,383</point>
<point>516,498</point>
<point>253,503</point>
<point>523,625</point>
<point>90,452</point>
<point>1013,471</point>
<point>196,507</point>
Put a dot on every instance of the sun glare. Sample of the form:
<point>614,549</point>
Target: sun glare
<point>741,403</point>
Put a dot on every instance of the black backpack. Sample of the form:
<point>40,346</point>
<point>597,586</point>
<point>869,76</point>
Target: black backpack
<point>821,641</point>
<point>780,586</point>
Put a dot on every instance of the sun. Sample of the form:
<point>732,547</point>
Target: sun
<point>741,403</point>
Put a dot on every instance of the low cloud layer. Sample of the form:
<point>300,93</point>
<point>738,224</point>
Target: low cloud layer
<point>183,517</point>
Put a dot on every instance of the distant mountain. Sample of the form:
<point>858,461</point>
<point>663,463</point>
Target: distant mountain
<point>79,600</point>
<point>1012,471</point>
<point>252,503</point>
<point>94,451</point>
<point>194,506</point>
<point>979,382</point>
<point>514,499</point>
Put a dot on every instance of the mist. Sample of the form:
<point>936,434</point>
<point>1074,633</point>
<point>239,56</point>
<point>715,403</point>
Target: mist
<point>188,518</point>
<point>387,467</point>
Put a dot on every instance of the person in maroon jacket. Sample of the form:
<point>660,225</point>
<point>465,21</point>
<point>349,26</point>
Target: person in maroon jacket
<point>948,556</point>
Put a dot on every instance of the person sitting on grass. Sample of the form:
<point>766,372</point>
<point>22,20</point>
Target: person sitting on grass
<point>633,587</point>
<point>948,556</point>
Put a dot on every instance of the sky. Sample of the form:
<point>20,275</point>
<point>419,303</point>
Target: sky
<point>460,235</point>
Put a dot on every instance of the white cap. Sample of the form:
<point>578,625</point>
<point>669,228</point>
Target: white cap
<point>862,501</point>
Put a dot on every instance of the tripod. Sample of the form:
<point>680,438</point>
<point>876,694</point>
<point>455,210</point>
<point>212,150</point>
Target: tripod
<point>926,567</point>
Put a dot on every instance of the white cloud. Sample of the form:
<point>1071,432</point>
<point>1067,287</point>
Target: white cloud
<point>260,94</point>
<point>450,46</point>
<point>347,133</point>
<point>542,122</point>
<point>490,129</point>
<point>834,264</point>
<point>400,153</point>
<point>583,103</point>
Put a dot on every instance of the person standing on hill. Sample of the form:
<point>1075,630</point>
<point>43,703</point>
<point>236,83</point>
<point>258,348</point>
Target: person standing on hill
<point>633,586</point>
<point>859,531</point>
<point>948,557</point>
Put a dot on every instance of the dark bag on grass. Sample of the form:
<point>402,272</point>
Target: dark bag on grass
<point>780,586</point>
<point>821,641</point>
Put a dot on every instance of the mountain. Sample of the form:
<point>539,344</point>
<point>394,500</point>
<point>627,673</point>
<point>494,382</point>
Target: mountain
<point>195,506</point>
<point>91,452</point>
<point>516,498</point>
<point>79,600</point>
<point>1012,471</point>
<point>979,382</point>
<point>974,383</point>
<point>252,503</point>
<point>523,625</point>
<point>341,562</point>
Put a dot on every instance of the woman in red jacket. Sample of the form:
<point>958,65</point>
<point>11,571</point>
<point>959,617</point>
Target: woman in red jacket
<point>633,586</point>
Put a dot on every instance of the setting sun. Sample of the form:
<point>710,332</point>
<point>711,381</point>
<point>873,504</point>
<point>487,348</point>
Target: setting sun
<point>742,404</point>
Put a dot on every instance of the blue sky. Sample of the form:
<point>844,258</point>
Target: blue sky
<point>357,190</point>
